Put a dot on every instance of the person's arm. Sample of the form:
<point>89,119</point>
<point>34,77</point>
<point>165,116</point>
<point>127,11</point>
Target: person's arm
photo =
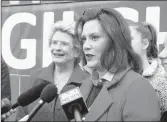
<point>5,81</point>
<point>141,102</point>
<point>5,106</point>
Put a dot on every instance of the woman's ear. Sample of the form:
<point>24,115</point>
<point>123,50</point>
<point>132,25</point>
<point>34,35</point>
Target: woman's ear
<point>145,43</point>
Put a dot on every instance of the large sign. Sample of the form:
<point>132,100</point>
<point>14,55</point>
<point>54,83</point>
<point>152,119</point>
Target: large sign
<point>25,28</point>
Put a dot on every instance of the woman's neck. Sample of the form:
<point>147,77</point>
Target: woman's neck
<point>145,62</point>
<point>64,68</point>
<point>101,72</point>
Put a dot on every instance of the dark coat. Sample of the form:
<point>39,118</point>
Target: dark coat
<point>5,81</point>
<point>128,97</point>
<point>52,111</point>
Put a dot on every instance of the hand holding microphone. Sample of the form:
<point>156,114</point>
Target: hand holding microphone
<point>6,106</point>
<point>5,103</point>
<point>9,113</point>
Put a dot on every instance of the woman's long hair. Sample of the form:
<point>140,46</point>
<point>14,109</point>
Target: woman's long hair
<point>148,32</point>
<point>118,54</point>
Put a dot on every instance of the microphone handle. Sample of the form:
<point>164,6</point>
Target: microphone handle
<point>77,115</point>
<point>35,110</point>
<point>15,105</point>
<point>25,118</point>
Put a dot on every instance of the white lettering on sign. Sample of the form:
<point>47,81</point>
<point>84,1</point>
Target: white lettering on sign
<point>152,16</point>
<point>70,95</point>
<point>134,14</point>
<point>68,16</point>
<point>48,20</point>
<point>28,44</point>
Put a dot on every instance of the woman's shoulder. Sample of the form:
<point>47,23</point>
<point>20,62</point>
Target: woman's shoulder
<point>160,69</point>
<point>141,97</point>
<point>37,72</point>
<point>136,82</point>
<point>129,79</point>
<point>159,82</point>
<point>79,74</point>
<point>133,76</point>
<point>40,74</point>
<point>43,70</point>
<point>158,78</point>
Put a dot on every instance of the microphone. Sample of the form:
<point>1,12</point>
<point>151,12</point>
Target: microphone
<point>28,97</point>
<point>73,104</point>
<point>47,95</point>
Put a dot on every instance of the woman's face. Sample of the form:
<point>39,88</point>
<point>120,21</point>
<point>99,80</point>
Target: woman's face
<point>136,41</point>
<point>95,40</point>
<point>62,48</point>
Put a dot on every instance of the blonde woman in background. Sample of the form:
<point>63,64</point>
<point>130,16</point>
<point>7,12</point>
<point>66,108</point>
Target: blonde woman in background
<point>64,71</point>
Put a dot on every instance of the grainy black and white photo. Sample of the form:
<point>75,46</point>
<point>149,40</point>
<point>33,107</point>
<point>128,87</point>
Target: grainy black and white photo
<point>83,60</point>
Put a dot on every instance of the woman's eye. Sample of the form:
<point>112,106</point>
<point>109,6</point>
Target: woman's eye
<point>63,43</point>
<point>95,38</point>
<point>54,42</point>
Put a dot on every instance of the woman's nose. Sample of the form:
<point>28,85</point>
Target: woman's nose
<point>57,46</point>
<point>87,45</point>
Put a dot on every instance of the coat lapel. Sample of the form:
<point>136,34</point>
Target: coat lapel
<point>78,75</point>
<point>102,102</point>
<point>86,88</point>
<point>118,76</point>
<point>104,99</point>
<point>47,73</point>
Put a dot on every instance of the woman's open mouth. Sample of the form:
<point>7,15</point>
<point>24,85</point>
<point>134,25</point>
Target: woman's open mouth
<point>89,56</point>
<point>58,54</point>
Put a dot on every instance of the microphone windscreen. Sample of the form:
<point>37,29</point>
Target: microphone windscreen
<point>49,93</point>
<point>72,99</point>
<point>32,94</point>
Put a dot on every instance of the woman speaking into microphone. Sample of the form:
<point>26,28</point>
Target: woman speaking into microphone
<point>115,90</point>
